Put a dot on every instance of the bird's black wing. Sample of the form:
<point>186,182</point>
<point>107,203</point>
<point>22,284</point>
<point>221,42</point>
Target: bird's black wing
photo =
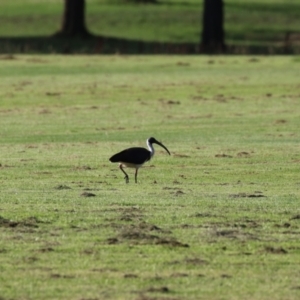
<point>136,155</point>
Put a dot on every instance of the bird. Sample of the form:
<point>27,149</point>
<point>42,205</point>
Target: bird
<point>135,157</point>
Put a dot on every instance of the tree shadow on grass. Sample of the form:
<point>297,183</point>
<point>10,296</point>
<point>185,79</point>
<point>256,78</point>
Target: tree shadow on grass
<point>110,45</point>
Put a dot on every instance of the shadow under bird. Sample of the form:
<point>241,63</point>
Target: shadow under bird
<point>135,157</point>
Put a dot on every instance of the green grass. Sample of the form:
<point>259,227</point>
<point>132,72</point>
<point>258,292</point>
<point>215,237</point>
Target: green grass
<point>218,219</point>
<point>247,23</point>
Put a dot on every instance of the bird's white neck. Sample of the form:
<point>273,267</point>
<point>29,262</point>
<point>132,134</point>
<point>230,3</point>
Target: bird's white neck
<point>151,148</point>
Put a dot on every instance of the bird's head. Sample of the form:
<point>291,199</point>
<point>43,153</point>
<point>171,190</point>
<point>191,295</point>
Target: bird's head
<point>152,140</point>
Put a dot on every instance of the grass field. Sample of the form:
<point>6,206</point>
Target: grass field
<point>248,23</point>
<point>218,219</point>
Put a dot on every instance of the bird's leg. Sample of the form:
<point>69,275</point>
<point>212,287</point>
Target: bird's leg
<point>126,175</point>
<point>135,176</point>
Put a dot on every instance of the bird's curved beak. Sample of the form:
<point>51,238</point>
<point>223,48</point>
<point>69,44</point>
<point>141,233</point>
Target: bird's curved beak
<point>160,144</point>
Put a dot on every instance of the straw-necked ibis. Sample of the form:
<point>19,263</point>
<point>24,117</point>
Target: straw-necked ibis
<point>135,157</point>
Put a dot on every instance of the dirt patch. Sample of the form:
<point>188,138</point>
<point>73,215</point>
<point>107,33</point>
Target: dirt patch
<point>146,297</point>
<point>225,276</point>
<point>173,102</point>
<point>162,289</point>
<point>129,215</point>
<point>52,94</point>
<point>44,111</point>
<point>296,217</point>
<point>83,168</point>
<point>170,242</point>
<point>150,227</point>
<point>174,190</point>
<point>112,241</point>
<point>8,57</point>
<point>189,260</point>
<point>183,64</point>
<point>223,155</point>
<point>58,276</point>
<point>89,251</point>
<point>204,215</point>
<point>45,249</point>
<point>62,187</point>
<point>142,233</point>
<point>90,298</point>
<point>178,193</point>
<point>231,233</point>
<point>247,224</point>
<point>281,121</point>
<point>180,155</point>
<point>245,195</point>
<point>37,60</point>
<point>130,275</point>
<point>243,154</point>
<point>169,102</point>
<point>87,194</point>
<point>253,59</point>
<point>178,275</point>
<point>284,225</point>
<point>195,261</point>
<point>6,222</point>
<point>30,259</point>
<point>5,166</point>
<point>139,232</point>
<point>275,250</point>
<point>49,246</point>
<point>28,222</point>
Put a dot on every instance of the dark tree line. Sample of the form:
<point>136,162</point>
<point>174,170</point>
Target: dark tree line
<point>212,37</point>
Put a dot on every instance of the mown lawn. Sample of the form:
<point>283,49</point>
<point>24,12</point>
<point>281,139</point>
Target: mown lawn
<point>218,219</point>
<point>247,22</point>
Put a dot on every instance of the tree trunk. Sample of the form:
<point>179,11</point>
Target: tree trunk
<point>73,23</point>
<point>213,32</point>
